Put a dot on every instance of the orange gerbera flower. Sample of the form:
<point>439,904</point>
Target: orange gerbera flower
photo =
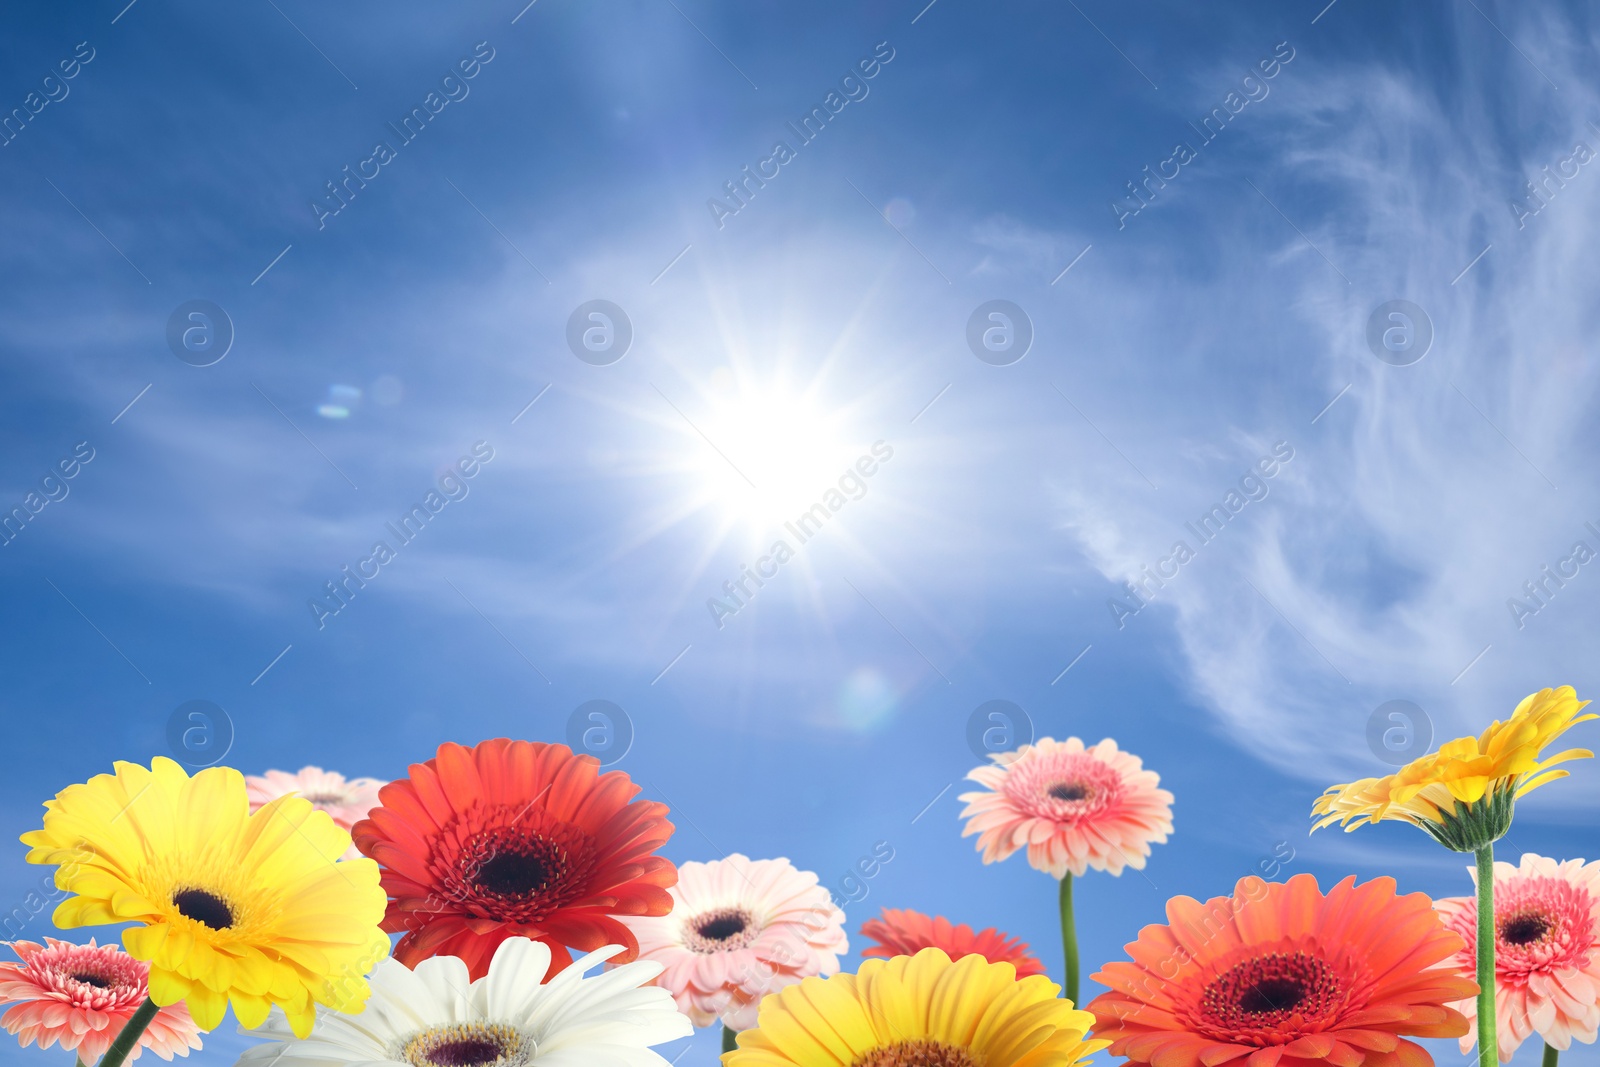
<point>1279,975</point>
<point>515,839</point>
<point>906,932</point>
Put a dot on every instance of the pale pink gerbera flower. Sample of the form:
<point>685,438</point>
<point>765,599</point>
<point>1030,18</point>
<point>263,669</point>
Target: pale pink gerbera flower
<point>347,800</point>
<point>81,996</point>
<point>740,929</point>
<point>1547,951</point>
<point>1073,807</point>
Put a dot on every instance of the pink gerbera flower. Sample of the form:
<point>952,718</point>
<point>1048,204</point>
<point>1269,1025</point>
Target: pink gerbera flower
<point>81,996</point>
<point>347,800</point>
<point>1073,807</point>
<point>1547,951</point>
<point>740,929</point>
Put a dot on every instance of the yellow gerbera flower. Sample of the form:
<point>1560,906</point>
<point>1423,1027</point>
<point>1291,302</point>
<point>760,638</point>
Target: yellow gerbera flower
<point>920,1010</point>
<point>1463,794</point>
<point>254,909</point>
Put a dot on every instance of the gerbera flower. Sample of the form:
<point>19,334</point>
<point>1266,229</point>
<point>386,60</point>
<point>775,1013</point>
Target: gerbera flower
<point>231,906</point>
<point>905,933</point>
<point>1547,951</point>
<point>739,930</point>
<point>1463,794</point>
<point>515,839</point>
<point>435,1016</point>
<point>1280,976</point>
<point>1073,807</point>
<point>919,1011</point>
<point>82,996</point>
<point>346,800</point>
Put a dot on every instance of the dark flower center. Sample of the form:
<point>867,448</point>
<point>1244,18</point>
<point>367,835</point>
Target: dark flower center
<point>93,979</point>
<point>917,1054</point>
<point>203,907</point>
<point>467,1052</point>
<point>1070,791</point>
<point>463,1045</point>
<point>1272,994</point>
<point>722,930</point>
<point>1524,929</point>
<point>721,927</point>
<point>512,874</point>
<point>1276,993</point>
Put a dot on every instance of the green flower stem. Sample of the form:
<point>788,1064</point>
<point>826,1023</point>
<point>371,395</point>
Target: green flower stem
<point>1488,1046</point>
<point>129,1037</point>
<point>730,1038</point>
<point>1550,1056</point>
<point>1069,940</point>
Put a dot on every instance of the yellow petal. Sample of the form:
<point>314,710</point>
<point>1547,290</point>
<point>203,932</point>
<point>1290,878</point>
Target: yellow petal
<point>251,1011</point>
<point>143,942</point>
<point>207,1006</point>
<point>167,988</point>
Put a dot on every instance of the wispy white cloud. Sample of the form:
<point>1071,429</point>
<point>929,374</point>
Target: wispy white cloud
<point>1380,565</point>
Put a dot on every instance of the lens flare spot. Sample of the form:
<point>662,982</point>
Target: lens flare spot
<point>866,699</point>
<point>899,211</point>
<point>340,402</point>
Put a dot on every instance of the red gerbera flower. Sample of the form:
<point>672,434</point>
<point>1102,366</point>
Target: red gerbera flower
<point>1279,975</point>
<point>906,932</point>
<point>515,839</point>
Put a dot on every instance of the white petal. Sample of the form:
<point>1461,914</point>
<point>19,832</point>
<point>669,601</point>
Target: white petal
<point>512,986</point>
<point>449,989</point>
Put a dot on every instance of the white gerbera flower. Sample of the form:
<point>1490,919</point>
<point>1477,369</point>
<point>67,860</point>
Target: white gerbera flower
<point>436,1017</point>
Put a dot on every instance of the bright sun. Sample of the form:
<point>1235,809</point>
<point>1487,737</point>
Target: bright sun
<point>772,453</point>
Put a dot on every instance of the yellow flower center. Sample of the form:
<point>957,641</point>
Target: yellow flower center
<point>468,1045</point>
<point>209,895</point>
<point>919,1054</point>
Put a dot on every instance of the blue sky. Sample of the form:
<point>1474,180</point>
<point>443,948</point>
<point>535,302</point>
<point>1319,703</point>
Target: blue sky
<point>1385,158</point>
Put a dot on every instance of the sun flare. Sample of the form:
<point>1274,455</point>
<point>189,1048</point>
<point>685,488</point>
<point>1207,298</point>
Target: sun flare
<point>772,453</point>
